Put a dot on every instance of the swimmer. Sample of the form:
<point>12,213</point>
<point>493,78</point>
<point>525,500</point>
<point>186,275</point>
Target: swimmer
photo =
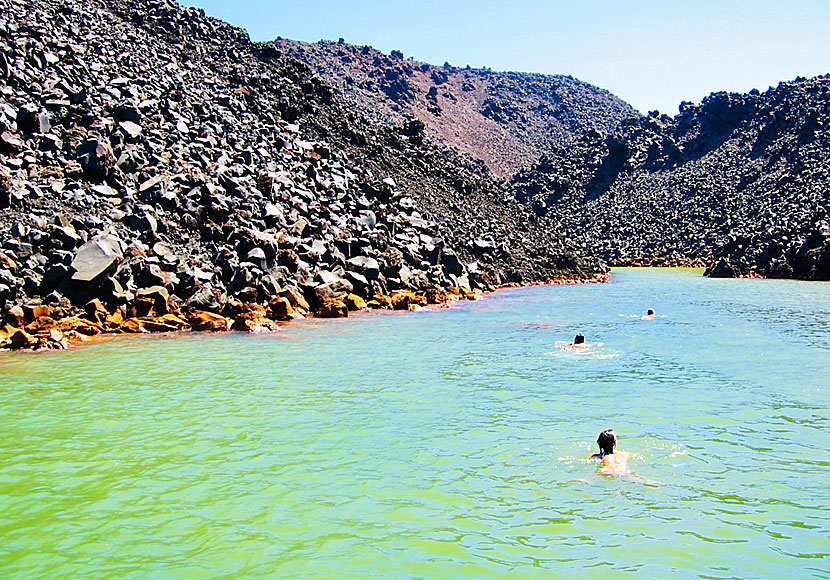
<point>649,315</point>
<point>613,462</point>
<point>578,345</point>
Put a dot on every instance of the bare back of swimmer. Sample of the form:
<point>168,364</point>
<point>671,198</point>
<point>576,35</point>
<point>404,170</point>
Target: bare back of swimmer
<point>613,462</point>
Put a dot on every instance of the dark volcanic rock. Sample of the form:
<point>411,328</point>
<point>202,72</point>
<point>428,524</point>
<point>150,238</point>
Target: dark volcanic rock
<point>738,181</point>
<point>96,157</point>
<point>157,147</point>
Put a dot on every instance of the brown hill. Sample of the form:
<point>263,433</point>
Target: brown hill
<point>504,119</point>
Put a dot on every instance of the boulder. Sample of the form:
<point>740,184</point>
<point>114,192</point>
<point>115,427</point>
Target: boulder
<point>154,275</point>
<point>201,321</point>
<point>296,297</point>
<point>159,297</point>
<point>96,157</point>
<point>204,299</point>
<point>19,338</point>
<point>10,143</point>
<point>79,326</point>
<point>451,263</point>
<point>95,257</point>
<point>367,218</point>
<point>406,299</point>
<point>55,335</point>
<point>359,282</point>
<point>380,301</point>
<point>66,237</point>
<point>332,309</point>
<point>722,269</point>
<point>14,316</point>
<point>173,320</point>
<point>252,322</point>
<point>142,221</point>
<point>166,323</point>
<point>355,302</point>
<point>367,267</point>
<point>279,308</point>
<point>334,280</point>
<point>34,311</point>
<point>131,129</point>
<point>140,308</point>
<point>132,326</point>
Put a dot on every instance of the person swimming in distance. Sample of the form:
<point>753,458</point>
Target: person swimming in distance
<point>649,315</point>
<point>613,462</point>
<point>578,345</point>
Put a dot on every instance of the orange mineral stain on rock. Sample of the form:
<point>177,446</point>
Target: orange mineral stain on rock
<point>355,302</point>
<point>208,321</point>
<point>279,308</point>
<point>332,309</point>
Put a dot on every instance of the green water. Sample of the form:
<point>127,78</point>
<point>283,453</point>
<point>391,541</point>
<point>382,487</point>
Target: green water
<point>444,444</point>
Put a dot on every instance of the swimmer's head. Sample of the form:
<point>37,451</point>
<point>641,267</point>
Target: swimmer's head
<point>650,312</point>
<point>607,441</point>
<point>579,339</point>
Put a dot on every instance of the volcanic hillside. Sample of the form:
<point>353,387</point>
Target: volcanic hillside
<point>741,181</point>
<point>501,118</point>
<point>149,151</point>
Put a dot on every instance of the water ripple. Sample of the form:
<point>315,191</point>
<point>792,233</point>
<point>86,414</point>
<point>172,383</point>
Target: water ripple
<point>451,443</point>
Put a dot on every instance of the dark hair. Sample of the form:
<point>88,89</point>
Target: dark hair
<point>606,441</point>
<point>650,312</point>
<point>579,339</point>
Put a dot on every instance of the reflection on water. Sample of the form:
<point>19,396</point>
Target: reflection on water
<point>445,443</point>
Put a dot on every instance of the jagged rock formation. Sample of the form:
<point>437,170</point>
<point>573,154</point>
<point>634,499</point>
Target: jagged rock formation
<point>739,182</point>
<point>503,119</point>
<point>154,161</point>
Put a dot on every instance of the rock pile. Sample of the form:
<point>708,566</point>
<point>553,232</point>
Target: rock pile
<point>158,171</point>
<point>500,118</point>
<point>739,182</point>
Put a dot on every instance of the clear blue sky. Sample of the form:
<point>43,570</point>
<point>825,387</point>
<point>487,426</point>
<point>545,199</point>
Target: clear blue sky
<point>653,54</point>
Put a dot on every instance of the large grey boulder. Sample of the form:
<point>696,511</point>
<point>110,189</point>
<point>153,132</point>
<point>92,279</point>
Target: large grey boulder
<point>95,256</point>
<point>364,265</point>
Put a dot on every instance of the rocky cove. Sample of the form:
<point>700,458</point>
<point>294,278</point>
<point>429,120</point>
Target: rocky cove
<point>736,183</point>
<point>159,171</point>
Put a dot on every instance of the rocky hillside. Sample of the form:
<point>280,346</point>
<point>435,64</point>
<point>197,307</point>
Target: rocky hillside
<point>740,182</point>
<point>503,119</point>
<point>154,161</point>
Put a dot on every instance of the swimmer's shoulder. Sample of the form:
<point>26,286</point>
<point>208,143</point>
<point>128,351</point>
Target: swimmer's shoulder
<point>616,458</point>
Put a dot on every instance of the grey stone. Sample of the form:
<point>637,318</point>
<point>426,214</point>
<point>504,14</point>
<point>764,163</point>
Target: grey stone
<point>368,267</point>
<point>96,157</point>
<point>95,257</point>
<point>367,218</point>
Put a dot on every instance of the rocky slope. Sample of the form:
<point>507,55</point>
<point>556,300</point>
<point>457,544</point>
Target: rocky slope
<point>503,119</point>
<point>158,171</point>
<point>740,182</point>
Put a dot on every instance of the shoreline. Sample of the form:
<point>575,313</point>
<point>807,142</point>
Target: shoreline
<point>36,327</point>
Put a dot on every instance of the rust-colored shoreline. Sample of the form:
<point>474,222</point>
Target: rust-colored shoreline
<point>37,327</point>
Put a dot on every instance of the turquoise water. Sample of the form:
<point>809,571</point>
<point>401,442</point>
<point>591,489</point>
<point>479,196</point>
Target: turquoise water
<point>443,444</point>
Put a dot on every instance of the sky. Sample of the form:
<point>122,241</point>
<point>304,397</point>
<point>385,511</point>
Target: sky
<point>652,54</point>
